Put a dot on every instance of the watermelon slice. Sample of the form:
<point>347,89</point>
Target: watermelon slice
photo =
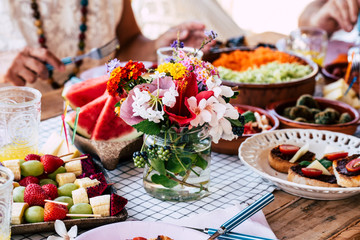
<point>88,116</point>
<point>110,126</point>
<point>84,92</point>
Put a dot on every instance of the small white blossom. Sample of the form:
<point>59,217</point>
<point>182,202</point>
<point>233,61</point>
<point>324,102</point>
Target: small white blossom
<point>157,75</point>
<point>155,115</point>
<point>214,84</point>
<point>169,98</point>
<point>61,230</point>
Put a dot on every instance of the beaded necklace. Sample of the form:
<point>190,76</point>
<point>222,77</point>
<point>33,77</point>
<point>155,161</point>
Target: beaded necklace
<point>42,39</point>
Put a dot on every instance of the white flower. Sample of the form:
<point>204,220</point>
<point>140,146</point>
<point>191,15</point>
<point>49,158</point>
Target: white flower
<point>146,106</point>
<point>157,75</point>
<point>154,115</point>
<point>209,110</point>
<point>222,130</point>
<point>61,230</point>
<point>169,98</point>
<point>214,84</point>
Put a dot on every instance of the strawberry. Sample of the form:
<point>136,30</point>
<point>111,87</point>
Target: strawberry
<point>27,180</point>
<point>117,203</point>
<point>32,156</point>
<point>34,195</point>
<point>54,211</point>
<point>51,163</point>
<point>51,191</point>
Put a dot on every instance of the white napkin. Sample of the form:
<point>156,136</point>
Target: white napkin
<point>256,225</point>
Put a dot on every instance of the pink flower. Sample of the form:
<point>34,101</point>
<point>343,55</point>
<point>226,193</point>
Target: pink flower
<point>156,89</point>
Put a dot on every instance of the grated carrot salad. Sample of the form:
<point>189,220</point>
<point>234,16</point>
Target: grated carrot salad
<point>243,60</point>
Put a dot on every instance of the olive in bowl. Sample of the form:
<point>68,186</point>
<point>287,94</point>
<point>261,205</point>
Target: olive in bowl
<point>325,115</point>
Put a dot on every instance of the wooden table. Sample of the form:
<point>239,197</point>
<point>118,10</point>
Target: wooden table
<point>290,217</point>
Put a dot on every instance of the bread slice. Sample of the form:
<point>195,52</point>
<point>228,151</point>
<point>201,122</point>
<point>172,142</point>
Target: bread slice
<point>344,177</point>
<point>280,162</point>
<point>295,175</point>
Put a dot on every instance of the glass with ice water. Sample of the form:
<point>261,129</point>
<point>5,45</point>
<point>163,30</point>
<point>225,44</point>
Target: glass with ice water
<point>310,42</point>
<point>20,110</point>
<point>6,187</point>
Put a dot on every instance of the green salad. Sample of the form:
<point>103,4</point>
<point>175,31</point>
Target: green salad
<point>273,72</point>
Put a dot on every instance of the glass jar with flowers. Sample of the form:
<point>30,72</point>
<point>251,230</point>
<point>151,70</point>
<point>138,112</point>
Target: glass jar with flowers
<point>180,107</point>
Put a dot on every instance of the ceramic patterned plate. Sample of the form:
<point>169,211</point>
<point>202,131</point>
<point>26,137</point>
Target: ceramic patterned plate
<point>132,229</point>
<point>254,153</point>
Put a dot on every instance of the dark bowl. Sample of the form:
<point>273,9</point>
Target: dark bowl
<point>260,95</point>
<point>334,71</point>
<point>277,109</point>
<point>232,147</point>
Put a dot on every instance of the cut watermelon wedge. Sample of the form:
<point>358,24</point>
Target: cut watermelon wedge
<point>84,92</point>
<point>110,126</point>
<point>88,116</point>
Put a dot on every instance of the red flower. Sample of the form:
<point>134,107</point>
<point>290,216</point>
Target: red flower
<point>181,113</point>
<point>120,76</point>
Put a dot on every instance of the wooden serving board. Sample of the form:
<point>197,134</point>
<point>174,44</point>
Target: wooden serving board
<point>84,223</point>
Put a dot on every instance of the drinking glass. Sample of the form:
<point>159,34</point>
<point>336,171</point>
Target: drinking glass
<point>165,53</point>
<point>6,187</point>
<point>310,42</point>
<point>19,122</point>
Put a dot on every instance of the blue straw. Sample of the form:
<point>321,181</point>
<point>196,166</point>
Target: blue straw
<point>235,236</point>
<point>350,86</point>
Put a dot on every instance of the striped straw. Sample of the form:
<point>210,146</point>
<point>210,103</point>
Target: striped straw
<point>248,212</point>
<point>235,236</point>
<point>243,215</point>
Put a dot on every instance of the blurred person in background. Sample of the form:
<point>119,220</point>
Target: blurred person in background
<point>337,17</point>
<point>156,16</point>
<point>33,33</point>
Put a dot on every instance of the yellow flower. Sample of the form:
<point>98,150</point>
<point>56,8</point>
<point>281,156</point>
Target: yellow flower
<point>176,70</point>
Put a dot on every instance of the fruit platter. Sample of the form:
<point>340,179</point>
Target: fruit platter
<point>70,187</point>
<point>99,131</point>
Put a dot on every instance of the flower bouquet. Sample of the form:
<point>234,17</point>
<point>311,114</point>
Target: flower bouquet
<point>180,107</point>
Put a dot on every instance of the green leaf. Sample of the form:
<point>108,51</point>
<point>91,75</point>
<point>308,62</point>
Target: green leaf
<point>158,165</point>
<point>235,122</point>
<point>201,162</point>
<point>148,127</point>
<point>117,104</point>
<point>326,163</point>
<point>173,164</point>
<point>304,163</point>
<point>249,116</point>
<point>163,180</point>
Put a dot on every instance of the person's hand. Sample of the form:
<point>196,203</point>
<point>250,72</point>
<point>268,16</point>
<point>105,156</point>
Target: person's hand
<point>190,33</point>
<point>337,14</point>
<point>29,64</point>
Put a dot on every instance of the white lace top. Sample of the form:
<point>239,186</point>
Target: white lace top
<point>61,21</point>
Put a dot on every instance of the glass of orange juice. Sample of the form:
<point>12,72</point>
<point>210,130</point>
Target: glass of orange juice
<point>6,187</point>
<point>20,110</point>
<point>310,42</point>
